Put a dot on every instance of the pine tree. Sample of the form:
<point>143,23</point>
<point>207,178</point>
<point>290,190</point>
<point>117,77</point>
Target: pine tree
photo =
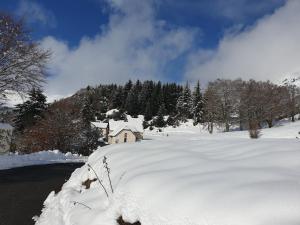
<point>89,140</point>
<point>159,120</point>
<point>88,136</point>
<point>87,111</point>
<point>145,96</point>
<point>156,98</point>
<point>132,106</point>
<point>117,98</point>
<point>198,105</point>
<point>103,104</point>
<point>148,112</point>
<point>184,104</point>
<point>127,88</point>
<point>31,110</point>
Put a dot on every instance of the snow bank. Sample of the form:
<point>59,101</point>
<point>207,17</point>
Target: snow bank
<point>111,112</point>
<point>282,129</point>
<point>44,157</point>
<point>186,179</point>
<point>5,126</point>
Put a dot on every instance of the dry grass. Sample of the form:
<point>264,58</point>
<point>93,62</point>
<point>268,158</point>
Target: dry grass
<point>122,222</point>
<point>88,182</point>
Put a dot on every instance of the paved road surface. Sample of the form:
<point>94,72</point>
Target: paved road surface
<point>23,190</point>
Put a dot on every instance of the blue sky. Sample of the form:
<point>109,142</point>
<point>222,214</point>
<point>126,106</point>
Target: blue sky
<point>103,41</point>
<point>78,18</point>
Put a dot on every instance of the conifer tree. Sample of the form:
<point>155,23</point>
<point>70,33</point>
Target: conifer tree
<point>148,112</point>
<point>103,104</point>
<point>144,97</point>
<point>184,104</point>
<point>31,110</point>
<point>156,98</point>
<point>87,111</point>
<point>198,105</point>
<point>131,106</point>
<point>89,136</point>
<point>159,121</point>
<point>117,98</point>
<point>126,89</point>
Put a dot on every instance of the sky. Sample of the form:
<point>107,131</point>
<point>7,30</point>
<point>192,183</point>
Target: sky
<point>111,41</point>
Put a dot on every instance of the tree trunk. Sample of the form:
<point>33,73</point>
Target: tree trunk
<point>293,117</point>
<point>210,127</point>
<point>227,127</point>
<point>270,123</point>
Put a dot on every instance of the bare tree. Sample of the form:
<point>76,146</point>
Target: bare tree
<point>272,97</point>
<point>293,93</point>
<point>211,109</point>
<point>22,61</point>
<point>224,90</point>
<point>263,102</point>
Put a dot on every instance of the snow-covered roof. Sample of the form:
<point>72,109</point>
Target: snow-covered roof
<point>133,122</point>
<point>5,126</point>
<point>111,112</point>
<point>100,125</point>
<point>123,127</point>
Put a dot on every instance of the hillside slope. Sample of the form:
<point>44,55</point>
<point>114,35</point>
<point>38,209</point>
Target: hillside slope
<point>187,178</point>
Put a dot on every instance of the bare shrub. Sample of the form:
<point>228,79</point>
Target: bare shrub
<point>121,221</point>
<point>254,131</point>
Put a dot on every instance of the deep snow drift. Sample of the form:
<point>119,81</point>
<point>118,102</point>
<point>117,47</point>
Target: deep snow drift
<point>187,178</point>
<point>11,160</point>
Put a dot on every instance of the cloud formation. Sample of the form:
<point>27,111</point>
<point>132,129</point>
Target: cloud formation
<point>136,45</point>
<point>268,50</point>
<point>34,12</point>
<point>233,10</point>
<point>132,45</point>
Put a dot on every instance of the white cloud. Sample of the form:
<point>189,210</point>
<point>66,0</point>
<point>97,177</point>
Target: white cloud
<point>133,45</point>
<point>237,11</point>
<point>241,9</point>
<point>34,12</point>
<point>268,50</point>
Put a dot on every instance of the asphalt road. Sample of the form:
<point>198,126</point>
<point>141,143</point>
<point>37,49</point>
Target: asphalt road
<point>23,190</point>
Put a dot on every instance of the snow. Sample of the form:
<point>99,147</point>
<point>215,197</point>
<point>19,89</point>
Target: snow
<point>136,123</point>
<point>123,127</point>
<point>99,125</point>
<point>44,157</point>
<point>5,126</point>
<point>14,98</point>
<point>111,112</point>
<point>185,176</point>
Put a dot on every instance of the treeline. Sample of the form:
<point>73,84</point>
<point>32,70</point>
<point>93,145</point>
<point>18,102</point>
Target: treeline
<point>250,103</point>
<point>224,102</point>
<point>65,124</point>
<point>133,98</point>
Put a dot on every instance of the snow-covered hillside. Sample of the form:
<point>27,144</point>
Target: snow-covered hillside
<point>187,177</point>
<point>281,129</point>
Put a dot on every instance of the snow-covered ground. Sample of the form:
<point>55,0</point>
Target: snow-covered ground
<point>281,129</point>
<point>184,176</point>
<point>12,160</point>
